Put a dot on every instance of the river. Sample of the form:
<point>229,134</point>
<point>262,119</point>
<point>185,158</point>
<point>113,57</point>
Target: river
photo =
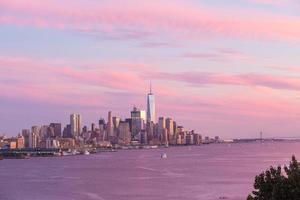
<point>205,172</point>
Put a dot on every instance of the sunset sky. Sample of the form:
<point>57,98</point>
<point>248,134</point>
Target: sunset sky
<point>221,67</point>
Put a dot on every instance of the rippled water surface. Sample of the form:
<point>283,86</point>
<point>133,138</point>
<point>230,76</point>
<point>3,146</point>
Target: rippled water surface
<point>206,172</point>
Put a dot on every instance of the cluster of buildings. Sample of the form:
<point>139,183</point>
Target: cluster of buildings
<point>141,128</point>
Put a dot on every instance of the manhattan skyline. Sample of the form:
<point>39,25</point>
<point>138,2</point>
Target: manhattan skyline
<point>227,68</point>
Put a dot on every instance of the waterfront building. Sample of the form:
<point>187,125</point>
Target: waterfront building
<point>12,144</point>
<point>56,129</point>
<point>102,125</point>
<point>181,136</point>
<point>34,137</point>
<point>102,129</point>
<point>110,126</point>
<point>66,143</point>
<point>124,133</point>
<point>179,139</point>
<point>170,128</point>
<point>129,121</point>
<point>161,126</point>
<point>143,137</point>
<point>190,139</point>
<point>2,144</point>
<point>85,129</point>
<point>150,130</point>
<point>207,140</point>
<point>217,139</point>
<point>67,132</point>
<point>137,122</point>
<point>46,132</point>
<point>20,142</point>
<point>116,121</point>
<point>25,134</point>
<point>76,124</point>
<point>164,137</point>
<point>151,113</point>
<point>175,128</point>
<point>52,143</point>
<point>197,139</point>
<point>93,128</point>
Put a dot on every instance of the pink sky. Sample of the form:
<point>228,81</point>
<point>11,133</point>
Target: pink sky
<point>228,68</point>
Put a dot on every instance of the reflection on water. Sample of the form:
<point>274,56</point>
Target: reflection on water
<point>205,172</point>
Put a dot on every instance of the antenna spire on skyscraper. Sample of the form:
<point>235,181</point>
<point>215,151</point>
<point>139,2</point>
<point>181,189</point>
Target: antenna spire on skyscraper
<point>150,87</point>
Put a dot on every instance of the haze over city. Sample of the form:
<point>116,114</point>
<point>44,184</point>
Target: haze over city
<point>227,68</point>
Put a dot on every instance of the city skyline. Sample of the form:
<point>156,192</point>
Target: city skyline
<point>75,126</point>
<point>221,67</point>
<point>138,130</point>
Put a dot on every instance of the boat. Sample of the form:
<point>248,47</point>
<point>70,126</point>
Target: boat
<point>65,153</point>
<point>26,156</point>
<point>75,152</point>
<point>86,152</point>
<point>163,156</point>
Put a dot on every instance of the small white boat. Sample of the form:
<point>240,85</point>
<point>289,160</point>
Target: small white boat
<point>75,152</point>
<point>65,153</point>
<point>163,156</point>
<point>86,152</point>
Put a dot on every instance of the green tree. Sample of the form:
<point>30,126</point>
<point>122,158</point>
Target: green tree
<point>273,184</point>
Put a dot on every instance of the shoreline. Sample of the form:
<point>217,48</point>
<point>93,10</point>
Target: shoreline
<point>28,153</point>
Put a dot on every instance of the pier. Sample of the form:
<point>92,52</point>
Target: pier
<point>25,153</point>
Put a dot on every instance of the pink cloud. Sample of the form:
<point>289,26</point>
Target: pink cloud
<point>273,2</point>
<point>121,86</point>
<point>219,55</point>
<point>287,69</point>
<point>54,82</point>
<point>132,19</point>
<point>251,80</point>
<point>71,83</point>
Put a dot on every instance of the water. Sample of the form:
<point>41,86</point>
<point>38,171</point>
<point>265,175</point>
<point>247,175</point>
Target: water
<point>205,172</point>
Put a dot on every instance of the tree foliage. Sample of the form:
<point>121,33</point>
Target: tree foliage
<point>278,184</point>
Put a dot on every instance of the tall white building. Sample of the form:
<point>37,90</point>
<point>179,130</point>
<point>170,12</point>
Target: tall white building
<point>76,124</point>
<point>151,115</point>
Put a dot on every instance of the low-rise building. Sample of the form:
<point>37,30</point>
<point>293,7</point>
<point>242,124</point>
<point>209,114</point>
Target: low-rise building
<point>66,143</point>
<point>20,142</point>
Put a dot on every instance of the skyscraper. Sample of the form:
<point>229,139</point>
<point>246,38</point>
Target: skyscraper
<point>57,129</point>
<point>124,133</point>
<point>170,126</point>
<point>151,106</point>
<point>26,135</point>
<point>102,124</point>
<point>161,125</point>
<point>76,123</point>
<point>34,136</point>
<point>110,125</point>
<point>138,121</point>
<point>116,122</point>
<point>67,132</point>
